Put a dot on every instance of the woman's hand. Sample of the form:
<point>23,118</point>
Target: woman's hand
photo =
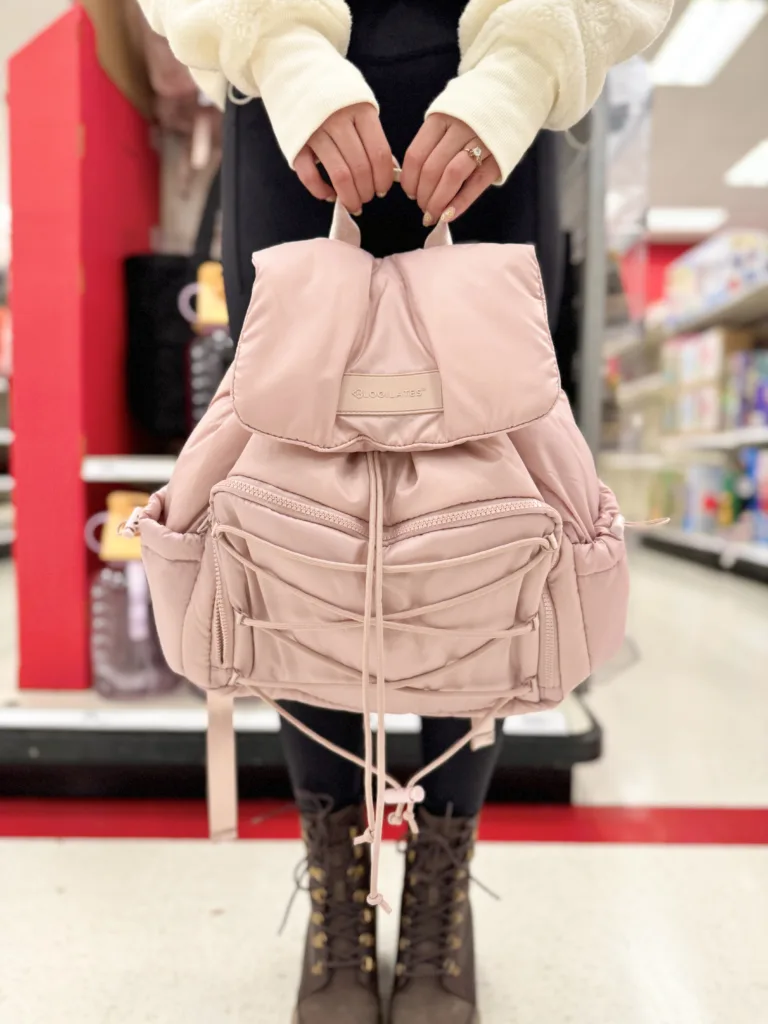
<point>439,172</point>
<point>353,149</point>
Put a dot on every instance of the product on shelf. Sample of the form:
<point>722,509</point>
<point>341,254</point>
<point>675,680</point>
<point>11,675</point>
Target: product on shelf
<point>745,400</point>
<point>126,658</point>
<point>710,274</point>
<point>697,371</point>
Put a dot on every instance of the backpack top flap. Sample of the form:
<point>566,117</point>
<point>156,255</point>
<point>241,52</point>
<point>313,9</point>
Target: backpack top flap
<point>423,349</point>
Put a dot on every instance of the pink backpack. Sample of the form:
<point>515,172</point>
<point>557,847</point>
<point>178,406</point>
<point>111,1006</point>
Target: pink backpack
<point>387,507</point>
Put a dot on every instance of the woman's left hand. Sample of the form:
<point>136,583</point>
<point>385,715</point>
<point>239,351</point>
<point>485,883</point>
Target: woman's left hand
<point>441,173</point>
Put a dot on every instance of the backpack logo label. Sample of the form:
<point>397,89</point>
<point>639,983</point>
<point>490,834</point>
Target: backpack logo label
<point>390,394</point>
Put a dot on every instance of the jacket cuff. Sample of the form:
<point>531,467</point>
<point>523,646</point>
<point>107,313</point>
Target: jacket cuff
<point>303,79</point>
<point>506,100</point>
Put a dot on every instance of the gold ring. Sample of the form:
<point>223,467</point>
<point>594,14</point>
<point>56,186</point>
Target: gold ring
<point>476,152</point>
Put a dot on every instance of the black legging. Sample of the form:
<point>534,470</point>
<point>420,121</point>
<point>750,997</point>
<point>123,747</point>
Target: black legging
<point>407,52</point>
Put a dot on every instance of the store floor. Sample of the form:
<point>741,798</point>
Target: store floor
<point>611,932</point>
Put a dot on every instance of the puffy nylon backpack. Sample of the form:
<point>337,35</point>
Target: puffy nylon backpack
<point>387,507</point>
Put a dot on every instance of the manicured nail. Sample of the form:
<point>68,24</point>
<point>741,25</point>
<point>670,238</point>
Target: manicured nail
<point>428,220</point>
<point>448,214</point>
<point>412,198</point>
<point>357,213</point>
<point>330,199</point>
<point>381,195</point>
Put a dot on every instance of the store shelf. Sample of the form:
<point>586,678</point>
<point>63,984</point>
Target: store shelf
<point>618,342</point>
<point>726,440</point>
<point>747,308</point>
<point>125,469</point>
<point>6,484</point>
<point>642,462</point>
<point>638,390</point>
<point>6,436</point>
<point>46,734</point>
<point>748,558</point>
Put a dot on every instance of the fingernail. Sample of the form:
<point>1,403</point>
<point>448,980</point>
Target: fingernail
<point>330,199</point>
<point>381,195</point>
<point>357,213</point>
<point>448,214</point>
<point>428,220</point>
<point>412,198</point>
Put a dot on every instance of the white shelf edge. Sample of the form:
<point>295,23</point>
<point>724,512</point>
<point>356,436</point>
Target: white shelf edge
<point>551,722</point>
<point>729,552</point>
<point>650,386</point>
<point>632,461</point>
<point>151,469</point>
<point>725,440</point>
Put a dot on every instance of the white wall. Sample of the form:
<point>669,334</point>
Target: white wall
<point>20,20</point>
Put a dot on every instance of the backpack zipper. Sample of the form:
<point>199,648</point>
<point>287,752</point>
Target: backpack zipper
<point>358,527</point>
<point>220,629</point>
<point>549,637</point>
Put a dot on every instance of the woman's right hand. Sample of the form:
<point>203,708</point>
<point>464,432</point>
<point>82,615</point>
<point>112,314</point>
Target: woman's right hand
<point>353,149</point>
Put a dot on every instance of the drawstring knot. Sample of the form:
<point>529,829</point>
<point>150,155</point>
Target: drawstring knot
<point>377,900</point>
<point>366,837</point>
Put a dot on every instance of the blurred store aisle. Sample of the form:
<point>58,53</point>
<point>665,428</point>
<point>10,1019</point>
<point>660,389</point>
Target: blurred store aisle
<point>686,724</point>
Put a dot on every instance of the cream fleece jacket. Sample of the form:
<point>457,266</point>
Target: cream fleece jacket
<point>525,64</point>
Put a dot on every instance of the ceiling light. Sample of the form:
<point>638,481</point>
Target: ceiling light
<point>704,38</point>
<point>685,220</point>
<point>752,170</point>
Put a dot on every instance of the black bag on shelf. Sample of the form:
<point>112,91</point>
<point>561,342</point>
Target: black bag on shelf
<point>172,371</point>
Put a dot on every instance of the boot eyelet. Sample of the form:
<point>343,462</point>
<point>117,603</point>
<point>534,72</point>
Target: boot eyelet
<point>368,966</point>
<point>461,874</point>
<point>367,940</point>
<point>317,874</point>
<point>454,942</point>
<point>318,919</point>
<point>404,944</point>
<point>319,941</point>
<point>359,895</point>
<point>451,968</point>
<point>457,918</point>
<point>319,895</point>
<point>367,915</point>
<point>405,921</point>
<point>411,856</point>
<point>355,872</point>
<point>460,896</point>
<point>317,968</point>
<point>400,970</point>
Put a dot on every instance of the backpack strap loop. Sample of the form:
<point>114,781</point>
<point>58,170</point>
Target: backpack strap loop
<point>222,765</point>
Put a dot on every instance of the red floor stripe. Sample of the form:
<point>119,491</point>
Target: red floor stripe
<point>272,820</point>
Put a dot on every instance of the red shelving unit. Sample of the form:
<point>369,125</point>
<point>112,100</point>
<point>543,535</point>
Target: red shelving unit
<point>84,189</point>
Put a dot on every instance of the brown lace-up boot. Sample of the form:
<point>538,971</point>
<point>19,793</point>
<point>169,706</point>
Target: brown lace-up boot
<point>339,983</point>
<point>435,973</point>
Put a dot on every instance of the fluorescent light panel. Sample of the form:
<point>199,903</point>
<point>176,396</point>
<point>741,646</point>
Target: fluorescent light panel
<point>685,220</point>
<point>752,170</point>
<point>706,36</point>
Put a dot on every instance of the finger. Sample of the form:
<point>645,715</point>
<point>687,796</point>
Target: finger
<point>338,171</point>
<point>448,167</point>
<point>478,182</point>
<point>350,145</point>
<point>310,177</point>
<point>377,148</point>
<point>427,137</point>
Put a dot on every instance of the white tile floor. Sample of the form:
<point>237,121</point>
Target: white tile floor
<point>184,933</point>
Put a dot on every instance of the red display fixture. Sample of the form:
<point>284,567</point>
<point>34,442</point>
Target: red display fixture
<point>84,192</point>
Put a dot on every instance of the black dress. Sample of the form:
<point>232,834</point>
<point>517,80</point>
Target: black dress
<point>407,51</point>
